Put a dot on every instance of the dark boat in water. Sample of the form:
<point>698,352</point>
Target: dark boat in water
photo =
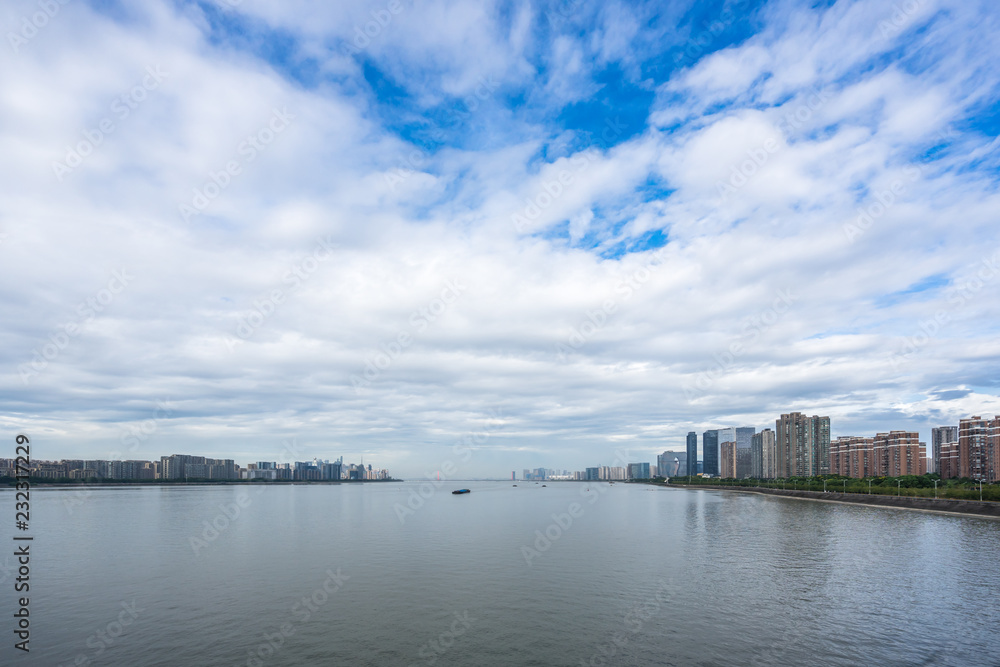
<point>455,493</point>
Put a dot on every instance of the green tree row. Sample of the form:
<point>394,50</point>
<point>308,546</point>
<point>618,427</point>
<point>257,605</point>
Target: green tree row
<point>922,486</point>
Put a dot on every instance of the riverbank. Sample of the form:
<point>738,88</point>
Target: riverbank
<point>943,505</point>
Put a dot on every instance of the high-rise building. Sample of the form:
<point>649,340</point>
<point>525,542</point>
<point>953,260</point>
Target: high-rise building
<point>948,462</point>
<point>762,455</point>
<point>802,445</point>
<point>638,471</point>
<point>692,454</point>
<point>176,466</point>
<point>979,448</point>
<point>727,459</point>
<point>941,436</point>
<point>853,456</point>
<point>744,436</point>
<point>744,458</point>
<point>710,452</point>
<point>671,464</point>
<point>898,453</point>
<point>726,435</point>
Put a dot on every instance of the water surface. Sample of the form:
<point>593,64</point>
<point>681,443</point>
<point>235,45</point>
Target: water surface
<point>349,574</point>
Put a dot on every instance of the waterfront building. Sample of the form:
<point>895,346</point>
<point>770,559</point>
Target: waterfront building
<point>671,464</point>
<point>898,453</point>
<point>710,452</point>
<point>692,454</point>
<point>762,455</point>
<point>727,459</point>
<point>744,436</point>
<point>802,445</point>
<point>948,461</point>
<point>756,457</point>
<point>861,461</point>
<point>744,441</point>
<point>941,435</point>
<point>638,471</point>
<point>979,448</point>
<point>612,473</point>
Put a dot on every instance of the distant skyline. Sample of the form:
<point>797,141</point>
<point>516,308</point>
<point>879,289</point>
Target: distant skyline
<point>503,234</point>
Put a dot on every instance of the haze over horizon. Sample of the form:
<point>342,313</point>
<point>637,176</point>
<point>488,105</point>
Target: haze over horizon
<point>379,228</point>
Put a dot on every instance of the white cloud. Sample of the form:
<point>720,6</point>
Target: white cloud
<point>448,217</point>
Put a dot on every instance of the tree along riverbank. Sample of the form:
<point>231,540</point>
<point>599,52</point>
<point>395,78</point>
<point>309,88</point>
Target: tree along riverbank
<point>952,505</point>
<point>925,486</point>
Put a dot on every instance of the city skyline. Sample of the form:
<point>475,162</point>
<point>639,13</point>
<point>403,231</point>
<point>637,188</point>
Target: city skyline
<point>939,435</point>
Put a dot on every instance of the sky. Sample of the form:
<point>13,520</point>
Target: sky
<point>503,235</point>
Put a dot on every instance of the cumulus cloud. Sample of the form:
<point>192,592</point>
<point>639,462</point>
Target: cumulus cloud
<point>503,215</point>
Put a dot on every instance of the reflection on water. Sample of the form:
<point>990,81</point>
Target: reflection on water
<point>619,575</point>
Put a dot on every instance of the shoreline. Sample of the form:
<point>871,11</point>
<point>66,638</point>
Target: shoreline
<point>982,509</point>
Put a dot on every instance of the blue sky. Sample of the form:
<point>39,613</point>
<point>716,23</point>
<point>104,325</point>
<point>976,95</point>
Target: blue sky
<point>559,229</point>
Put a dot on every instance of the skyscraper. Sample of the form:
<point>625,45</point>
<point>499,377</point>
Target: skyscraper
<point>979,448</point>
<point>762,454</point>
<point>803,445</point>
<point>744,459</point>
<point>710,452</point>
<point>744,436</point>
<point>853,456</point>
<point>727,459</point>
<point>940,436</point>
<point>638,471</point>
<point>898,453</point>
<point>692,454</point>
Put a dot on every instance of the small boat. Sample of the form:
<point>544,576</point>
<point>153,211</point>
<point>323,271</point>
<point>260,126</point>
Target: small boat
<point>515,485</point>
<point>455,493</point>
<point>543,486</point>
